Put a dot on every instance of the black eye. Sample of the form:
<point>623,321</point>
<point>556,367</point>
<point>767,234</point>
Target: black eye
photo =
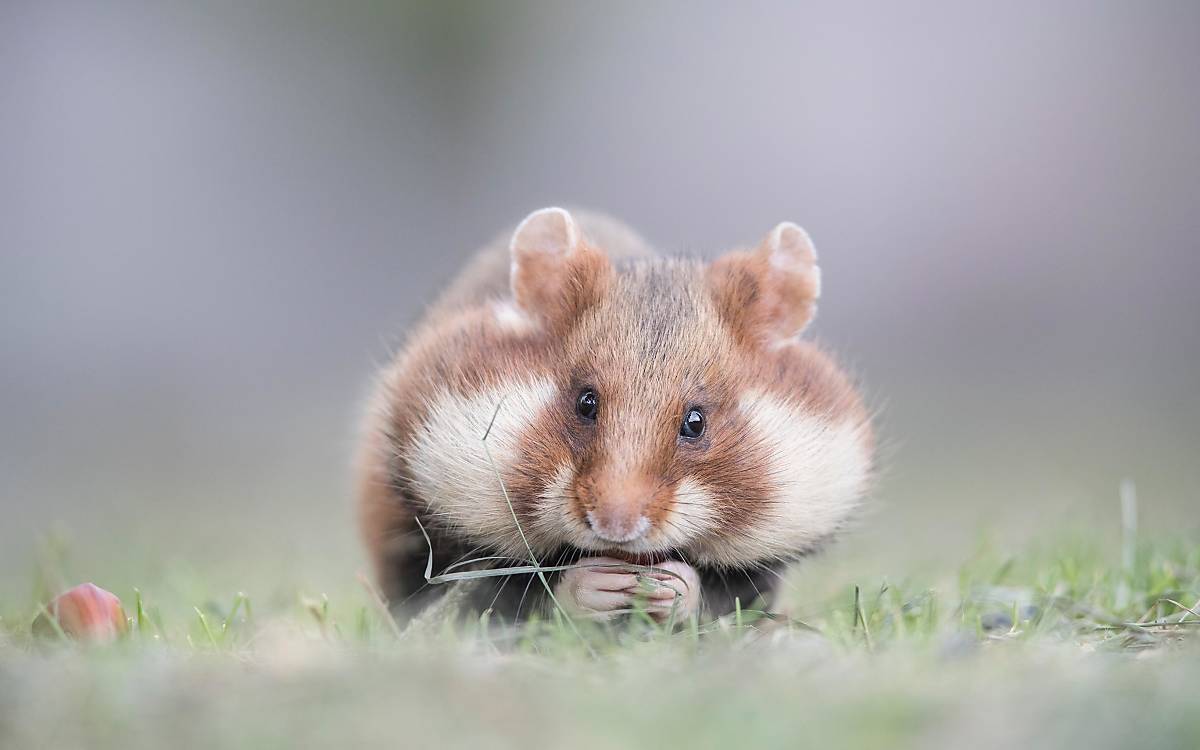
<point>693,424</point>
<point>587,404</point>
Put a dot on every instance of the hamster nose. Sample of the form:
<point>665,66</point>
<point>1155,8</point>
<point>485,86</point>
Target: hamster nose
<point>618,525</point>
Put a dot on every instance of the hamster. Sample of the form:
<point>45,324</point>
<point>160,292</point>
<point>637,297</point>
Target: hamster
<point>637,409</point>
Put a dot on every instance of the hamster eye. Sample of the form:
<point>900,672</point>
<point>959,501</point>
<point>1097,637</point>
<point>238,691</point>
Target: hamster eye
<point>587,404</point>
<point>693,424</point>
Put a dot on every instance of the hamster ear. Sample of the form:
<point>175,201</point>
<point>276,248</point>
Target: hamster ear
<point>555,273</point>
<point>769,294</point>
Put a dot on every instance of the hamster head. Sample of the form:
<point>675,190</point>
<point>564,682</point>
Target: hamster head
<point>651,408</point>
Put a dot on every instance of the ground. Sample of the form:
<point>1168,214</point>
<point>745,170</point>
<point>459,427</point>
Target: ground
<point>1065,642</point>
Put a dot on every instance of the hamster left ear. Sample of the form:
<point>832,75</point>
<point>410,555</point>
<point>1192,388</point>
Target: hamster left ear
<point>769,294</point>
<point>555,273</point>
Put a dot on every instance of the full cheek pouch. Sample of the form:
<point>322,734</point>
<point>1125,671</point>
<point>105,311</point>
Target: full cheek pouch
<point>736,470</point>
<point>545,453</point>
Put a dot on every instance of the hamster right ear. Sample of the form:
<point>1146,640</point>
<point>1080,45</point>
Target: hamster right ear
<point>556,275</point>
<point>769,294</point>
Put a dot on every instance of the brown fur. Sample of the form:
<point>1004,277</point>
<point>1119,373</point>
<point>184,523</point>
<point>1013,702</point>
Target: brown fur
<point>653,337</point>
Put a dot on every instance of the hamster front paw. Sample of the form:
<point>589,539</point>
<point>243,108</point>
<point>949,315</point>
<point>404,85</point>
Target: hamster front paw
<point>604,592</point>
<point>598,593</point>
<point>683,595</point>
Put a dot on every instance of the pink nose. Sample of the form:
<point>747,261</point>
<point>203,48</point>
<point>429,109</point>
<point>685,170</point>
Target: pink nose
<point>616,526</point>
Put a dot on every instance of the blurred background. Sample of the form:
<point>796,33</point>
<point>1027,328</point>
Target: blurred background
<point>216,219</point>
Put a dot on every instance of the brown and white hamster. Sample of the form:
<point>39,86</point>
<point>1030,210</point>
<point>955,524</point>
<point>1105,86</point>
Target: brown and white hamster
<point>642,409</point>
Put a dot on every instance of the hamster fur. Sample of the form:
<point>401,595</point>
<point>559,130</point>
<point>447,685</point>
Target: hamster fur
<point>638,408</point>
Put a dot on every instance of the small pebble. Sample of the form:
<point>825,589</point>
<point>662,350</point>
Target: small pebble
<point>85,613</point>
<point>996,621</point>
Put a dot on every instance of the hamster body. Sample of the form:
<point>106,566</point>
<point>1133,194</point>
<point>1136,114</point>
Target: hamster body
<point>636,408</point>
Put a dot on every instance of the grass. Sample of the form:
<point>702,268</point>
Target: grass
<point>1064,642</point>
